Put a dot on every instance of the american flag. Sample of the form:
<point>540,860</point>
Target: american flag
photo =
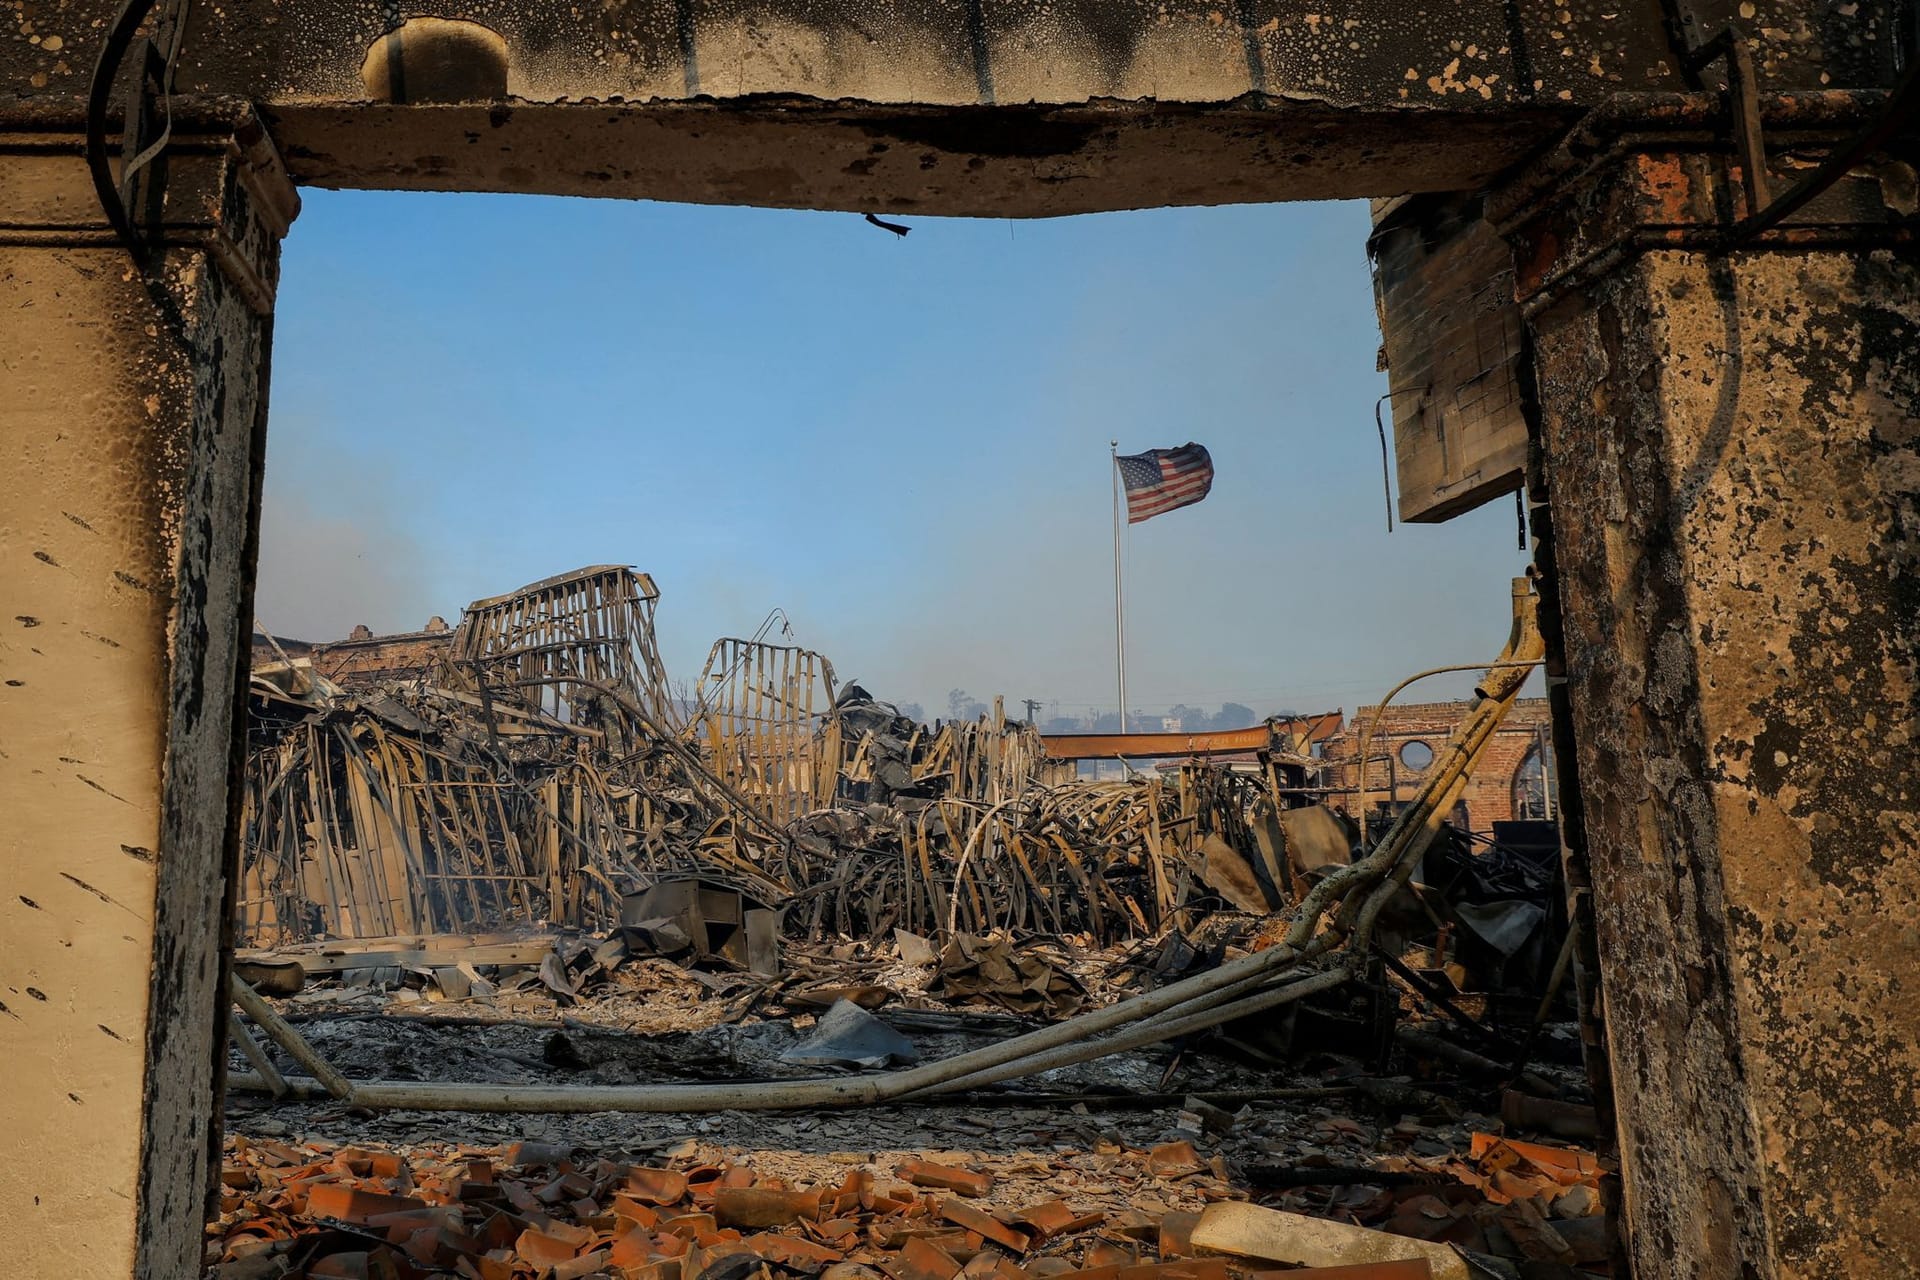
<point>1160,480</point>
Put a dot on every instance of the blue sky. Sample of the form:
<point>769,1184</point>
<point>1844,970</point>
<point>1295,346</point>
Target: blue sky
<point>902,443</point>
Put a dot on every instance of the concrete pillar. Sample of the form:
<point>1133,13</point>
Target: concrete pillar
<point>133,418</point>
<point>1730,442</point>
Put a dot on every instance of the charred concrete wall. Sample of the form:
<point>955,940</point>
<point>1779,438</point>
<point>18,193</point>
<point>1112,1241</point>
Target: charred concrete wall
<point>137,416</point>
<point>1735,492</point>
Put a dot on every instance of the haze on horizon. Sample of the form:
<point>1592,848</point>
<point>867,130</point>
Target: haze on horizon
<point>902,443</point>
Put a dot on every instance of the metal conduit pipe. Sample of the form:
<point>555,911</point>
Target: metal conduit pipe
<point>1420,821</point>
<point>1159,1027</point>
<point>1495,694</point>
<point>1416,827</point>
<point>1523,634</point>
<point>1153,1031</point>
<point>1237,991</point>
<point>1365,792</point>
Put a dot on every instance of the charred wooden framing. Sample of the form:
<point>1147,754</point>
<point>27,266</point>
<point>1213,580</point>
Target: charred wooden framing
<point>542,770</point>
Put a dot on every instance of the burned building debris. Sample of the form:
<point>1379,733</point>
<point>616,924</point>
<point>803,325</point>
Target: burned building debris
<point>531,774</point>
<point>532,766</point>
<point>509,869</point>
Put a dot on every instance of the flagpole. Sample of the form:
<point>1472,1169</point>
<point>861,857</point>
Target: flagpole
<point>1119,592</point>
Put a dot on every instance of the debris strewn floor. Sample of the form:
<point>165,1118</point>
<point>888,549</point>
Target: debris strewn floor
<point>784,985</point>
<point>1123,1150</point>
<point>1022,1194</point>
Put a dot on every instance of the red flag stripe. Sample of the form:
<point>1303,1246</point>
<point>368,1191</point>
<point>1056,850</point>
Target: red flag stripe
<point>1173,494</point>
<point>1178,486</point>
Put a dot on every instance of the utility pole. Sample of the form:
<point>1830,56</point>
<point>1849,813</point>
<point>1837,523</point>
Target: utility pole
<point>1033,709</point>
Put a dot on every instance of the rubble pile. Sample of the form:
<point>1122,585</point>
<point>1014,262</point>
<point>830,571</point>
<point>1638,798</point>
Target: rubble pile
<point>532,767</point>
<point>537,1209</point>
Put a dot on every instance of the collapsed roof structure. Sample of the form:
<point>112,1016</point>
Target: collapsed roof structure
<point>534,764</point>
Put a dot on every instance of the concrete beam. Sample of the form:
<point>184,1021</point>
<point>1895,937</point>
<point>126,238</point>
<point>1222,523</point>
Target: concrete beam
<point>1732,469</point>
<point>973,161</point>
<point>134,420</point>
<point>1001,107</point>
